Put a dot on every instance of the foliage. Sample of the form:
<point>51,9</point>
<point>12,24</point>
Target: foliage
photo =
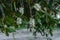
<point>37,15</point>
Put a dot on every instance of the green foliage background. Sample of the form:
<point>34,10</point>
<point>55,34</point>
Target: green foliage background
<point>44,19</point>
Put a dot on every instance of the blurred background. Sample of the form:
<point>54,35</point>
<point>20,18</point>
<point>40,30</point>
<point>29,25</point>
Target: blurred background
<point>29,19</point>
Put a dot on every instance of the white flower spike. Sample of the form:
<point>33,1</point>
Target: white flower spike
<point>19,21</point>
<point>58,15</point>
<point>32,22</point>
<point>37,6</point>
<point>21,10</point>
<point>5,26</point>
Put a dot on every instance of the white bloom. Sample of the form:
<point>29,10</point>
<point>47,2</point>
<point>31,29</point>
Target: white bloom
<point>5,26</point>
<point>59,22</point>
<point>32,22</point>
<point>58,15</point>
<point>17,9</point>
<point>58,7</point>
<point>21,10</point>
<point>12,27</point>
<point>45,9</point>
<point>37,6</point>
<point>19,21</point>
<point>33,29</point>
